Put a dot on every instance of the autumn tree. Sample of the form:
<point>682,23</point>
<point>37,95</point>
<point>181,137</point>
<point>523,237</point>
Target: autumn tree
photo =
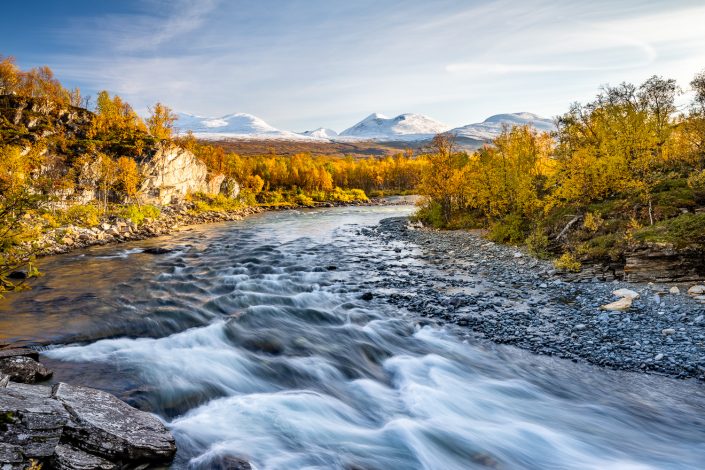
<point>161,121</point>
<point>127,177</point>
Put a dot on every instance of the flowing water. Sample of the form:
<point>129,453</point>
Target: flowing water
<point>248,343</point>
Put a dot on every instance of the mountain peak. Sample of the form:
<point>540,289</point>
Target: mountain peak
<point>404,126</point>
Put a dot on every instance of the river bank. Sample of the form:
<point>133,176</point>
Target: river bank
<point>509,297</point>
<point>172,218</point>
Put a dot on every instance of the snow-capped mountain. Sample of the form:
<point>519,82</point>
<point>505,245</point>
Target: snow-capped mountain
<point>238,125</point>
<point>491,127</point>
<point>321,133</point>
<point>403,127</point>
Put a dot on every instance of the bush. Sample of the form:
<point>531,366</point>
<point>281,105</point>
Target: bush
<point>681,231</point>
<point>537,243</point>
<point>512,229</point>
<point>593,221</point>
<point>431,214</point>
<point>84,215</point>
<point>567,262</point>
<point>138,214</point>
<point>303,200</point>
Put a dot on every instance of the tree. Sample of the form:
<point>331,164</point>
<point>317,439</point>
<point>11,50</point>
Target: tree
<point>127,177</point>
<point>161,122</point>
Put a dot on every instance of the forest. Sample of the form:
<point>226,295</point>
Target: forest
<point>626,167</point>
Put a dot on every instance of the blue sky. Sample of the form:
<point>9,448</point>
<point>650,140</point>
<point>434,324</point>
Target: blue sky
<point>307,63</point>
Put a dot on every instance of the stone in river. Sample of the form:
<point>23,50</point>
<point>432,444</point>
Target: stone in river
<point>367,296</point>
<point>157,250</point>
<point>668,331</point>
<point>13,352</point>
<point>103,425</point>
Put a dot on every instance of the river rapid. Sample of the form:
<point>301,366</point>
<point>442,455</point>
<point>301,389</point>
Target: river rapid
<point>254,340</point>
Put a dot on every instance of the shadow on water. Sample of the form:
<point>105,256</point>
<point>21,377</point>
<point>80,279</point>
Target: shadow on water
<point>252,340</point>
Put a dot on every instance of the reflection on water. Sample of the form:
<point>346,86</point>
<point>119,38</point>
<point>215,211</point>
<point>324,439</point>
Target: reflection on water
<point>252,340</point>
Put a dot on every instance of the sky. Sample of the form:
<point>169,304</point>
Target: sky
<point>303,64</point>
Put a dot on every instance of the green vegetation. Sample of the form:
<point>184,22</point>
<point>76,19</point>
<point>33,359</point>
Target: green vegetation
<point>622,169</point>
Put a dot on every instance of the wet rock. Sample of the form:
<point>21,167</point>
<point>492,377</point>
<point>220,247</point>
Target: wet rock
<point>24,369</point>
<point>16,352</point>
<point>226,462</point>
<point>367,296</point>
<point>668,331</point>
<point>157,250</point>
<point>17,275</point>
<point>103,425</point>
<point>67,457</point>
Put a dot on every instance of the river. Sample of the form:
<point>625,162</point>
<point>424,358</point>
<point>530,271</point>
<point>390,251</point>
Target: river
<point>253,339</point>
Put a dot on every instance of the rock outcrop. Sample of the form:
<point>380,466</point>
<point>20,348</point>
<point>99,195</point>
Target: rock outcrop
<point>172,173</point>
<point>663,263</point>
<point>72,427</point>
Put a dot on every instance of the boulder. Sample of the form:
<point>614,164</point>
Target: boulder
<point>674,290</point>
<point>67,457</point>
<point>103,425</point>
<point>24,369</point>
<point>15,352</point>
<point>626,293</point>
<point>622,304</point>
<point>157,250</point>
<point>30,420</point>
<point>697,290</point>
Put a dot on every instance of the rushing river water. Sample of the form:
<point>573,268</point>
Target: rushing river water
<point>252,340</point>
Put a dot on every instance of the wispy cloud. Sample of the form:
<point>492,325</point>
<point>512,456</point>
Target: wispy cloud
<point>306,63</point>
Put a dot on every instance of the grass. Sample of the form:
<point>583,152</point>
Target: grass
<point>682,231</point>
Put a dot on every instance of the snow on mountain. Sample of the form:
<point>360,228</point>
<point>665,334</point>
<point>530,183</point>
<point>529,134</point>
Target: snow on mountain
<point>491,127</point>
<point>403,127</point>
<point>238,126</point>
<point>321,133</point>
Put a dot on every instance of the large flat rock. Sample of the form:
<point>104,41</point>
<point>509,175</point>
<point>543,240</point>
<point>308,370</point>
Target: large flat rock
<point>68,457</point>
<point>103,425</point>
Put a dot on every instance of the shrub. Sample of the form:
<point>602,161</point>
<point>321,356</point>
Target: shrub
<point>431,214</point>
<point>137,214</point>
<point>85,215</point>
<point>303,200</point>
<point>537,243</point>
<point>593,221</point>
<point>686,229</point>
<point>567,262</point>
<point>511,229</point>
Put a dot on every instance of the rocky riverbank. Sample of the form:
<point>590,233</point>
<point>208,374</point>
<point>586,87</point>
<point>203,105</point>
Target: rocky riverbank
<point>509,297</point>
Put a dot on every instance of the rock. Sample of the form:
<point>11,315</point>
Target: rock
<point>697,290</point>
<point>668,331</point>
<point>518,254</point>
<point>367,296</point>
<point>658,357</point>
<point>580,327</point>
<point>67,241</point>
<point>157,250</point>
<point>11,456</point>
<point>31,420</point>
<point>103,425</point>
<point>18,275</point>
<point>622,304</point>
<point>674,290</point>
<point>658,263</point>
<point>626,293</point>
<point>67,457</point>
<point>24,369</point>
<point>331,268</point>
<point>226,462</point>
<point>14,352</point>
<point>4,380</point>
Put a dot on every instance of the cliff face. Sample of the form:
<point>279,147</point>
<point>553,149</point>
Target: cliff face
<point>31,119</point>
<point>168,172</point>
<point>171,173</point>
